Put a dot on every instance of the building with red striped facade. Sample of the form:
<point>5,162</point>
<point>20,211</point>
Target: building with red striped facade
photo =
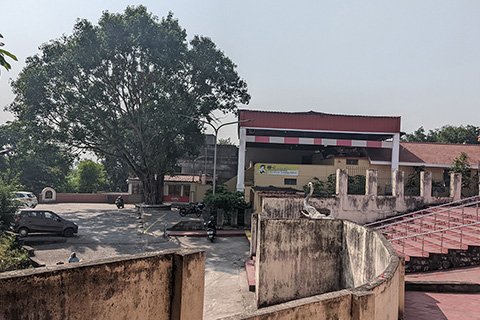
<point>290,147</point>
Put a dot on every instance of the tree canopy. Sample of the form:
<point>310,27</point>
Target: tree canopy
<point>446,134</point>
<point>131,87</point>
<point>31,162</point>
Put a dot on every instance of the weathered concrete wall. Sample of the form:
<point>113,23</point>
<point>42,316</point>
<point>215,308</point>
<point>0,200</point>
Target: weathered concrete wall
<point>296,259</point>
<point>358,208</point>
<point>145,286</point>
<point>88,198</point>
<point>364,269</point>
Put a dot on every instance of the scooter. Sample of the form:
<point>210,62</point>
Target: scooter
<point>211,228</point>
<point>120,203</point>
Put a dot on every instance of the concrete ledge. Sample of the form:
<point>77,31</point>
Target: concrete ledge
<point>203,233</point>
<point>443,286</point>
<point>162,206</point>
<point>166,285</point>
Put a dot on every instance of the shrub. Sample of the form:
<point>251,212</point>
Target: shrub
<point>12,256</point>
<point>224,199</point>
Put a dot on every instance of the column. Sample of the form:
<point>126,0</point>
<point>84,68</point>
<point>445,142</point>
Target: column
<point>371,183</point>
<point>426,186</point>
<point>396,152</point>
<point>241,159</point>
<point>455,186</point>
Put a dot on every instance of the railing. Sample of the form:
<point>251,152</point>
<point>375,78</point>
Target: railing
<point>418,224</point>
<point>474,199</point>
<point>434,232</point>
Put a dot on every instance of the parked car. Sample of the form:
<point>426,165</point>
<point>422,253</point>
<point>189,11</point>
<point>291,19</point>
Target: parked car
<point>27,199</point>
<point>28,220</point>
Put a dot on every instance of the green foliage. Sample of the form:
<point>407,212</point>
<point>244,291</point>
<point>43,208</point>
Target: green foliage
<point>322,188</point>
<point>224,199</point>
<point>130,87</point>
<point>12,256</point>
<point>32,162</point>
<point>226,142</point>
<point>116,174</point>
<point>412,185</point>
<point>446,134</point>
<point>91,176</point>
<point>8,206</point>
<point>3,53</point>
<point>461,165</point>
<point>356,184</point>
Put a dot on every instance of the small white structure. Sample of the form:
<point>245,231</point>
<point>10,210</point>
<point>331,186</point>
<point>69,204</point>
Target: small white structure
<point>48,195</point>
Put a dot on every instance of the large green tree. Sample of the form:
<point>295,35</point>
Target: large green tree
<point>31,161</point>
<point>91,176</point>
<point>131,87</point>
<point>446,134</point>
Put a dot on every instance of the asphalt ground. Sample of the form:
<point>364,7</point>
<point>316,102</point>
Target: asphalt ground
<point>105,231</point>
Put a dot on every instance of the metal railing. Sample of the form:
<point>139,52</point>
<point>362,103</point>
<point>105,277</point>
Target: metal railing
<point>439,221</point>
<point>442,231</point>
<point>470,200</point>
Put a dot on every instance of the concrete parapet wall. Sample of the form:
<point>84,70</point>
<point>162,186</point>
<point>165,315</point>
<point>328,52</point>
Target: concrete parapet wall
<point>359,209</point>
<point>364,208</point>
<point>347,270</point>
<point>144,286</point>
<point>290,256</point>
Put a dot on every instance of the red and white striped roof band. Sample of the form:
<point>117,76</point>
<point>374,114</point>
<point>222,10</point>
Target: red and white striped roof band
<point>321,142</point>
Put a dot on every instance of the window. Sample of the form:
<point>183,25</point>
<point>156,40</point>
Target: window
<point>174,190</point>
<point>353,162</point>
<point>186,190</point>
<point>49,194</point>
<point>290,182</point>
<point>49,215</point>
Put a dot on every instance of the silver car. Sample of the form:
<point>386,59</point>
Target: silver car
<point>27,221</point>
<point>27,199</point>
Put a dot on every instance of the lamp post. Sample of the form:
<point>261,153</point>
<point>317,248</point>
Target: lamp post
<point>216,129</point>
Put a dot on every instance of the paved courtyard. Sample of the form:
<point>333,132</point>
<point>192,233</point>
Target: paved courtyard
<point>105,231</point>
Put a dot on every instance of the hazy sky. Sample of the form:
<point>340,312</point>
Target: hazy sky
<point>418,59</point>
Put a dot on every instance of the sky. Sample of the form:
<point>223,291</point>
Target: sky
<point>416,59</point>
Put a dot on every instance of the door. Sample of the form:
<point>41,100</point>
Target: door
<point>53,223</point>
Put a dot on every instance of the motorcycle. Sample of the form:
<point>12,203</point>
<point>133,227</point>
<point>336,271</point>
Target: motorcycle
<point>120,203</point>
<point>211,228</point>
<point>193,208</point>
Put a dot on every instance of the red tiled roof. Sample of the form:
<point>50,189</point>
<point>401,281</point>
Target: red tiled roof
<point>319,121</point>
<point>440,154</point>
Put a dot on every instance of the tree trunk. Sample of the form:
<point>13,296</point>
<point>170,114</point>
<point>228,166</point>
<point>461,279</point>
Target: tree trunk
<point>153,189</point>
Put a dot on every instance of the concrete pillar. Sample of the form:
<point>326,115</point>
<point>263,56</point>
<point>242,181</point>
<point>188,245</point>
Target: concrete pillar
<point>363,305</point>
<point>426,186</point>
<point>341,186</point>
<point>248,217</point>
<point>234,218</point>
<point>253,238</point>
<point>396,152</point>
<point>220,217</point>
<point>371,183</point>
<point>401,288</point>
<point>241,159</point>
<point>398,184</point>
<point>456,186</point>
<point>189,285</point>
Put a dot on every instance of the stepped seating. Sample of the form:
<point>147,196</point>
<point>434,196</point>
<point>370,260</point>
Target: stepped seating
<point>419,234</point>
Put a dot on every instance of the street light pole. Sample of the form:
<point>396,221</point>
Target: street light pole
<point>216,129</point>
